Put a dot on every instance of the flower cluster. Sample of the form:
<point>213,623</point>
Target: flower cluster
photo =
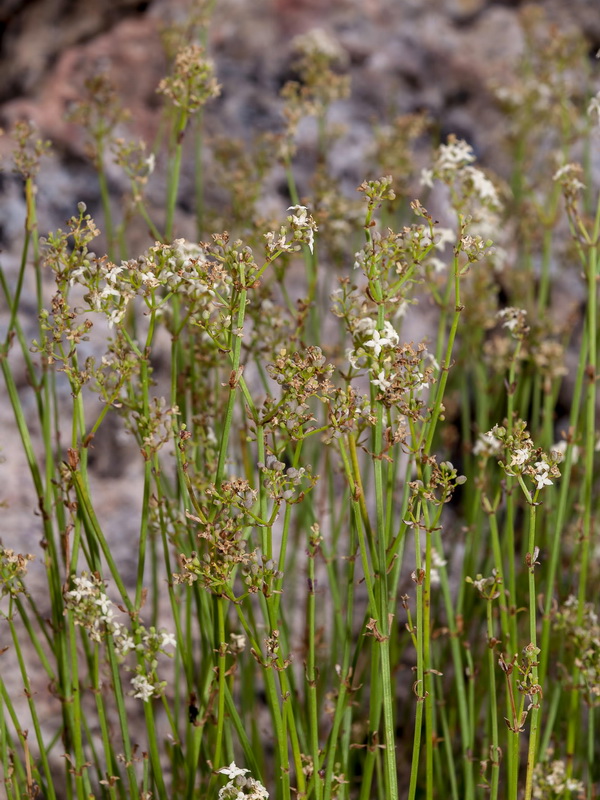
<point>488,587</point>
<point>99,113</point>
<point>13,568</point>
<point>394,259</point>
<point>514,320</point>
<point>181,267</point>
<point>136,163</point>
<point>281,483</point>
<point>437,563</point>
<point>550,781</point>
<point>443,481</point>
<point>92,609</point>
<point>321,83</point>
<point>593,108</point>
<point>347,412</point>
<point>371,344</point>
<point>224,542</point>
<point>29,150</point>
<point>487,445</point>
<point>453,165</point>
<point>302,374</point>
<point>302,226</point>
<point>193,81</point>
<point>522,458</point>
<point>240,786</point>
<point>403,377</point>
<point>582,631</point>
<point>569,177</point>
<point>154,427</point>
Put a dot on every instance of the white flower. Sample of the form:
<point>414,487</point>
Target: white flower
<point>123,641</point>
<point>383,382</point>
<point>487,445</point>
<point>390,333</point>
<point>378,342</point>
<point>143,688</point>
<point>167,640</point>
<point>568,177</point>
<point>83,588</point>
<point>560,450</point>
<point>520,456</point>
<point>512,317</point>
<point>541,476</point>
<point>240,787</point>
<point>456,153</point>
<point>232,771</point>
<point>593,108</point>
<point>401,310</point>
<point>427,178</point>
<point>352,357</point>
<point>303,222</point>
<point>365,325</point>
<point>150,163</point>
<point>572,785</point>
<point>237,642</point>
<point>113,273</point>
<point>436,562</point>
<point>421,384</point>
<point>483,188</point>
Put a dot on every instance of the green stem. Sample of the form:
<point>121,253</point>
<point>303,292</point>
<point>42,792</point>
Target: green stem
<point>175,172</point>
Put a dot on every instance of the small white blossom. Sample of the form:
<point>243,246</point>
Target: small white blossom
<point>436,563</point>
<point>302,222</point>
<point>455,154</point>
<point>401,310</point>
<point>387,338</point>
<point>427,178</point>
<point>568,177</point>
<point>560,450</point>
<point>487,445</point>
<point>390,333</point>
<point>520,456</point>
<point>237,642</point>
<point>382,382</point>
<point>365,325</point>
<point>150,163</point>
<point>421,384</point>
<point>593,108</point>
<point>352,357</point>
<point>483,188</point>
<point>143,689</point>
<point>232,771</point>
<point>167,640</point>
<point>541,474</point>
<point>512,318</point>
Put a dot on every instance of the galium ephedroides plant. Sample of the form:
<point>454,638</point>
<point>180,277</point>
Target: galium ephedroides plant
<point>301,508</point>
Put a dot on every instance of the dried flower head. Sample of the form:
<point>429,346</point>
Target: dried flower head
<point>192,82</point>
<point>13,568</point>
